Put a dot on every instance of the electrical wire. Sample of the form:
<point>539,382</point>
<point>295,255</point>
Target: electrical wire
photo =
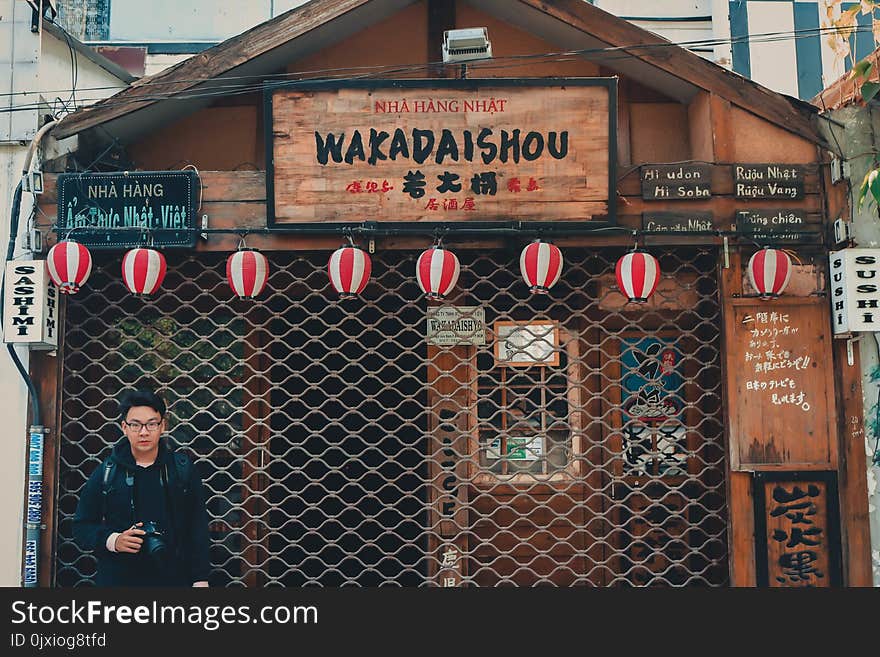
<point>10,250</point>
<point>875,457</point>
<point>622,52</point>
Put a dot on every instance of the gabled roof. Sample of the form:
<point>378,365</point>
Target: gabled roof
<point>572,24</point>
<point>846,90</point>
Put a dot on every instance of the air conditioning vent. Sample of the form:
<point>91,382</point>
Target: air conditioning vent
<point>465,45</point>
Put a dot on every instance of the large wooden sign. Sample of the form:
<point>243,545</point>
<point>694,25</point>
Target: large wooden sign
<point>417,151</point>
<point>797,529</point>
<point>780,386</point>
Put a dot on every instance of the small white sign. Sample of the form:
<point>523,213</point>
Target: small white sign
<point>855,290</point>
<point>30,305</point>
<point>453,325</point>
<point>521,344</point>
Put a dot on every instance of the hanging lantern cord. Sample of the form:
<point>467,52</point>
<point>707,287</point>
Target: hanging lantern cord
<point>242,244</point>
<point>791,254</point>
<point>347,233</point>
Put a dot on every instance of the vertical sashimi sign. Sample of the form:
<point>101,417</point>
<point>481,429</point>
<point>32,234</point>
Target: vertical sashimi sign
<point>451,152</point>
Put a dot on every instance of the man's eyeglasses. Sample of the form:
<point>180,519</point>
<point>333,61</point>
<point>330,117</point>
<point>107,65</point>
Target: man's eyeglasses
<point>137,426</point>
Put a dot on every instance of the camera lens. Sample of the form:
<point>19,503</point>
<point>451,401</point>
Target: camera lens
<point>154,540</point>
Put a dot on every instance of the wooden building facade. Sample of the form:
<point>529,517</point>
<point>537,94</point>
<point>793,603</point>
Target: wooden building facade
<point>497,436</point>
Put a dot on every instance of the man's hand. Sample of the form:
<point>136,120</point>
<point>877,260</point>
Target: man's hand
<point>130,540</point>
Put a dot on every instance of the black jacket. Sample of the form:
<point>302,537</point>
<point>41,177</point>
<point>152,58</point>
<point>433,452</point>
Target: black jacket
<point>137,494</point>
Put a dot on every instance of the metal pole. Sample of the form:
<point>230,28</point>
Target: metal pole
<point>33,521</point>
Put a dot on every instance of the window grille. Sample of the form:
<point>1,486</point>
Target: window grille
<point>339,448</point>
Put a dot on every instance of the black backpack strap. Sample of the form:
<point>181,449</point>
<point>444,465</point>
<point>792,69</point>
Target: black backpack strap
<point>183,466</point>
<point>109,466</point>
<point>176,479</point>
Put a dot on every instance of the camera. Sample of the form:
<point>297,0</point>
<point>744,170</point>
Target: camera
<point>154,545</point>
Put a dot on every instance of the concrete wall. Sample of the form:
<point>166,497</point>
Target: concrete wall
<point>41,65</point>
<point>859,141</point>
<point>696,22</point>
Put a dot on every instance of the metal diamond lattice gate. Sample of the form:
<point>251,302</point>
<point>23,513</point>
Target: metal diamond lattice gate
<point>339,447</point>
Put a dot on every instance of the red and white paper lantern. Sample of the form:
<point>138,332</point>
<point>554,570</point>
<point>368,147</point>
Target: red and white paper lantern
<point>69,266</point>
<point>247,271</point>
<point>769,272</point>
<point>637,275</point>
<point>437,272</point>
<point>541,265</point>
<point>143,270</point>
<point>349,269</point>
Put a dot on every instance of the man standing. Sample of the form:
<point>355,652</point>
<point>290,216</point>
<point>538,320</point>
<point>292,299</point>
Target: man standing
<point>145,485</point>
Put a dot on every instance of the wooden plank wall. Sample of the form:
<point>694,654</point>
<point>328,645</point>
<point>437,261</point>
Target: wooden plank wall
<point>765,432</point>
<point>451,410</point>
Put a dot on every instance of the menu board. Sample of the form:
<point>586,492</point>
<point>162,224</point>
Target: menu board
<point>780,385</point>
<point>768,181</point>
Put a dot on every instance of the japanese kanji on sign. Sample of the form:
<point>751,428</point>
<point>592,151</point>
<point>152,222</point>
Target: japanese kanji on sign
<point>797,529</point>
<point>441,151</point>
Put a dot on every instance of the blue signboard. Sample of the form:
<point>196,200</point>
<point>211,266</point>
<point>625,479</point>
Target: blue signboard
<point>128,209</point>
<point>35,455</point>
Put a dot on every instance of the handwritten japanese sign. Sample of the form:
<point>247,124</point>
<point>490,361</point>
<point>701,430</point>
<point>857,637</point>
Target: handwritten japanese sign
<point>779,388</point>
<point>797,529</point>
<point>768,330</point>
<point>441,151</point>
<point>450,560</point>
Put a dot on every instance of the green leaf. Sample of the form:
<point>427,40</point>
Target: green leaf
<point>869,90</point>
<point>870,177</point>
<point>861,69</point>
<point>871,184</point>
<point>874,185</point>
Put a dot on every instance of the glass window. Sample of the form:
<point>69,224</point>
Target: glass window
<point>523,416</point>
